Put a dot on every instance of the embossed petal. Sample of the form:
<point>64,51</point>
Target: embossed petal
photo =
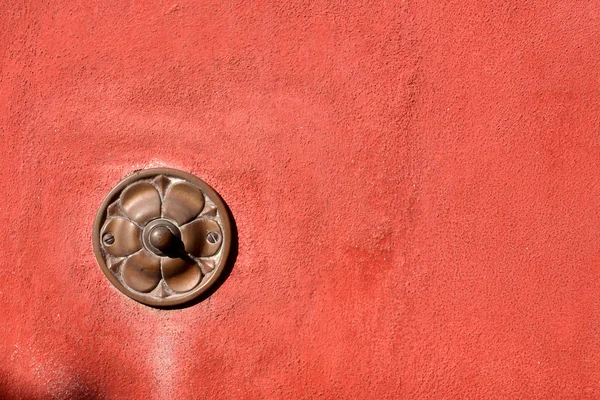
<point>126,237</point>
<point>141,202</point>
<point>141,271</point>
<point>181,275</point>
<point>183,202</point>
<point>194,236</point>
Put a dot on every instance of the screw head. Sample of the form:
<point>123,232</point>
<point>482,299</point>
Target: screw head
<point>108,239</point>
<point>213,237</point>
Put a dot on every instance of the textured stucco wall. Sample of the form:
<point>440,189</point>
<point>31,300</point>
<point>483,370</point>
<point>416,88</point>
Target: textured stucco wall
<point>415,185</point>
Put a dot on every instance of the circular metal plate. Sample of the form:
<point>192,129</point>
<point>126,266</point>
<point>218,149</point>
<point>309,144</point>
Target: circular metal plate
<point>162,236</point>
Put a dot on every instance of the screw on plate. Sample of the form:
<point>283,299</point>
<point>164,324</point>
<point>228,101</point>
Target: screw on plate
<point>212,237</point>
<point>108,239</point>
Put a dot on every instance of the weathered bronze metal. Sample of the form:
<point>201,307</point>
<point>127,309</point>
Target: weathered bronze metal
<point>162,236</point>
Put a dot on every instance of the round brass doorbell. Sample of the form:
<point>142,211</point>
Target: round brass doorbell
<point>162,236</point>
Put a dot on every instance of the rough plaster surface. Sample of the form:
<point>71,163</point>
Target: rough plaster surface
<point>415,185</point>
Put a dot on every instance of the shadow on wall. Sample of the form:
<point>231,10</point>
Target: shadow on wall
<point>73,389</point>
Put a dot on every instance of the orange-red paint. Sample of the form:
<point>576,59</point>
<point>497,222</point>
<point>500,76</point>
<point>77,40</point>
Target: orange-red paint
<point>414,183</point>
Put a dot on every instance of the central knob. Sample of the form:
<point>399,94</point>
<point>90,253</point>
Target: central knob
<point>161,238</point>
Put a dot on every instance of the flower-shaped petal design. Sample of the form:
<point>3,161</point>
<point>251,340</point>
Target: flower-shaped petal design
<point>126,237</point>
<point>141,271</point>
<point>162,236</point>
<point>183,202</point>
<point>181,275</point>
<point>141,202</point>
<point>195,240</point>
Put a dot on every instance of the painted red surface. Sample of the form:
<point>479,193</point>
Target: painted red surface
<point>415,185</point>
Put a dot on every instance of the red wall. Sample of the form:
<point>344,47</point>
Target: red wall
<point>415,185</point>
